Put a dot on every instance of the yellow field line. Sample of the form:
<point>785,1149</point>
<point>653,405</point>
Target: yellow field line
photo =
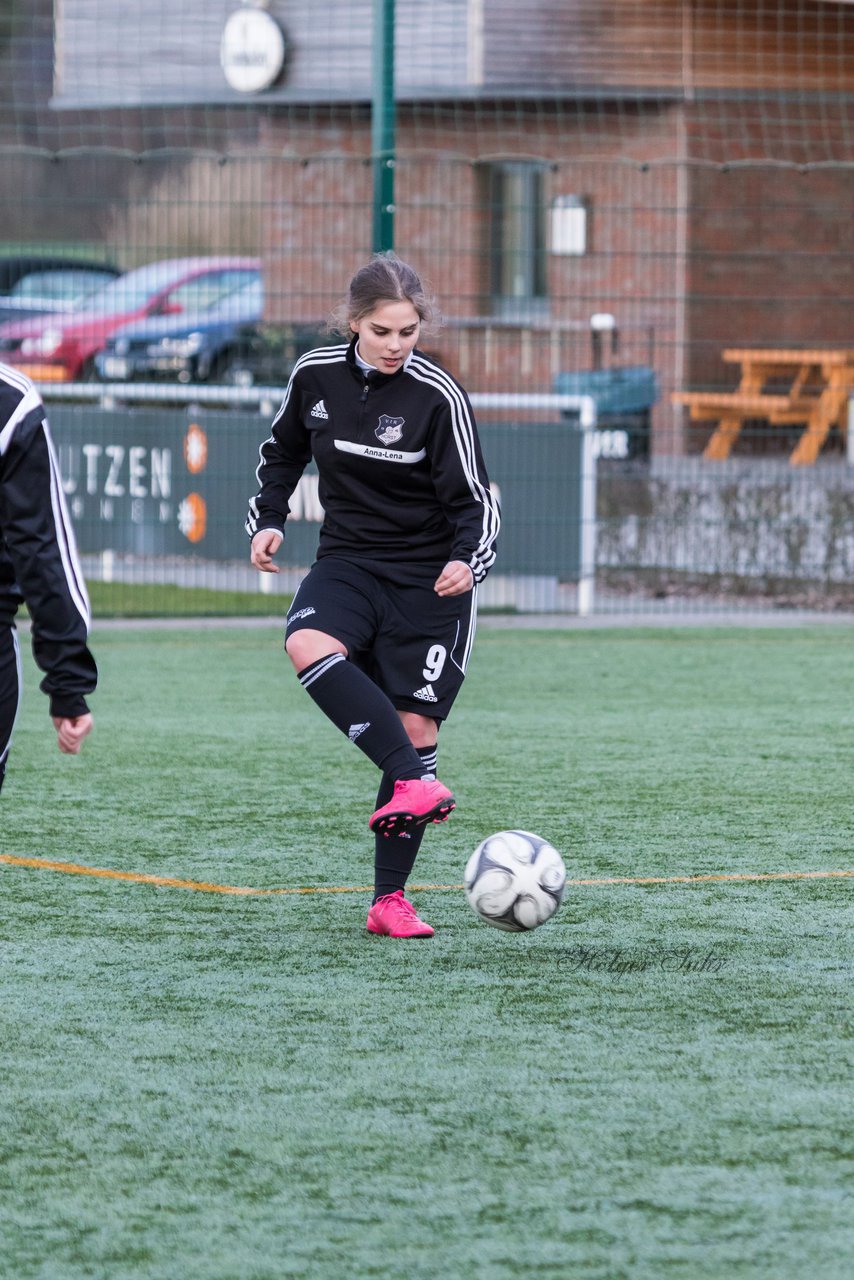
<point>201,886</point>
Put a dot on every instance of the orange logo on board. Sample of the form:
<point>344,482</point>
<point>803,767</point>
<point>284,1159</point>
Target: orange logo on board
<point>195,449</point>
<point>193,517</point>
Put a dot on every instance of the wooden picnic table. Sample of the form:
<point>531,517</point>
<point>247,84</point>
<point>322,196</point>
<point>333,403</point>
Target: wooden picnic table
<point>804,385</point>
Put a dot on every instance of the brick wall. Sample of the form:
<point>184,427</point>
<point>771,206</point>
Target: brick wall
<point>624,166</point>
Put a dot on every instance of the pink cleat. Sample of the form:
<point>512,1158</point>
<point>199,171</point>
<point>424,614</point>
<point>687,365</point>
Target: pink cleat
<point>416,801</point>
<point>396,917</point>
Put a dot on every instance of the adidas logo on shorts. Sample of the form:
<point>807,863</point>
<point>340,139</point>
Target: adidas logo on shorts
<point>319,411</point>
<point>426,694</point>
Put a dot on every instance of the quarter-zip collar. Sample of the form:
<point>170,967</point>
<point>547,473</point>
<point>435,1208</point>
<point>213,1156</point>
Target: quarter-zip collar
<point>367,374</point>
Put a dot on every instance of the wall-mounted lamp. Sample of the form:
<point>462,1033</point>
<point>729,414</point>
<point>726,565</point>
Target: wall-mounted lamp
<point>568,226</point>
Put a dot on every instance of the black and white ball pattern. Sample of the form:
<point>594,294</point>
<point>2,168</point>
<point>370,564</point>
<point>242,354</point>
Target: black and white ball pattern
<point>515,880</point>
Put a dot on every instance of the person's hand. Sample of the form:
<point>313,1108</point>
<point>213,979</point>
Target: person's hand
<point>455,579</point>
<point>264,546</point>
<point>70,732</point>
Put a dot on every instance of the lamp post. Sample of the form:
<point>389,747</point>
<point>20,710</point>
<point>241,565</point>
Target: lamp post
<point>383,125</point>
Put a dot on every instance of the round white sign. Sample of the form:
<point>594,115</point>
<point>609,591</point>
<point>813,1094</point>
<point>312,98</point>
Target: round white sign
<point>252,50</point>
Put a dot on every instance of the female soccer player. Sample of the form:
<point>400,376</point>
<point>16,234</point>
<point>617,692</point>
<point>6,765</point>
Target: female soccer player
<point>381,628</point>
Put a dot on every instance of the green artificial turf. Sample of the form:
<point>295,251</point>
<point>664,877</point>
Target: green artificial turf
<point>655,1085</point>
<point>168,600</point>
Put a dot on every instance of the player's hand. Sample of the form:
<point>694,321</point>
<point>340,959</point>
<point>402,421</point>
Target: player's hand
<point>264,546</point>
<point>70,732</point>
<point>455,579</point>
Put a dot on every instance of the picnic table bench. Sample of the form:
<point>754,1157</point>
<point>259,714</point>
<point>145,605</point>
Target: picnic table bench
<point>809,386</point>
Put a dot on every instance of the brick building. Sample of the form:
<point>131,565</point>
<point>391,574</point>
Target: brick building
<point>681,165</point>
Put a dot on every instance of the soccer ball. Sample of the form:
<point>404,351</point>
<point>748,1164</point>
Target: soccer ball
<point>514,880</point>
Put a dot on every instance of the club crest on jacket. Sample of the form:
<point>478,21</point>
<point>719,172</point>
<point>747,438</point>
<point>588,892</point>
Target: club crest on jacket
<point>390,430</point>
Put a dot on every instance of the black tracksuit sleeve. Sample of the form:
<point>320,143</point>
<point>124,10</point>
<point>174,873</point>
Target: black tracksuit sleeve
<point>38,547</point>
<point>462,486</point>
<point>284,455</point>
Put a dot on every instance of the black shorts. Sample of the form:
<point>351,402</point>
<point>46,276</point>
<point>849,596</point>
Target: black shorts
<point>414,644</point>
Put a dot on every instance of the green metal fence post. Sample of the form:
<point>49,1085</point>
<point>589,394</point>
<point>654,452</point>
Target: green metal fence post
<point>383,124</point>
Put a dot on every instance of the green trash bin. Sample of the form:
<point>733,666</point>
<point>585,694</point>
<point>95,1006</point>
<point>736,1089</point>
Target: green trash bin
<point>624,400</point>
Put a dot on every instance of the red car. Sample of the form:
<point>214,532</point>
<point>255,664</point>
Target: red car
<point>62,348</point>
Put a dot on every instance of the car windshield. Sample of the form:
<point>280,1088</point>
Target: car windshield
<point>127,293</point>
<point>208,292</point>
<point>247,296</point>
<point>59,286</point>
<point>133,291</point>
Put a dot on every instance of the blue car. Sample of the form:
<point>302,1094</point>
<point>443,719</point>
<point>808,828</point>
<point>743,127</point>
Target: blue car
<point>199,347</point>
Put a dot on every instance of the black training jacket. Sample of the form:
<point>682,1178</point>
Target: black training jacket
<point>401,474</point>
<point>38,554</point>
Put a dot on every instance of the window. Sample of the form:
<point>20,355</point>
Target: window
<point>205,290</point>
<point>517,239</point>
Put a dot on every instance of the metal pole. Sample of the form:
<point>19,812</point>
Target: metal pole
<point>383,124</point>
<point>587,507</point>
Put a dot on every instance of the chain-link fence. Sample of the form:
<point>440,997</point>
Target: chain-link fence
<point>643,207</point>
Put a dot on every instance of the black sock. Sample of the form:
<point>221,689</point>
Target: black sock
<point>361,710</point>
<point>394,856</point>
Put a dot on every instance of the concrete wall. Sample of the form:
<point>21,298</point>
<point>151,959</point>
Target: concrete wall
<point>741,518</point>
